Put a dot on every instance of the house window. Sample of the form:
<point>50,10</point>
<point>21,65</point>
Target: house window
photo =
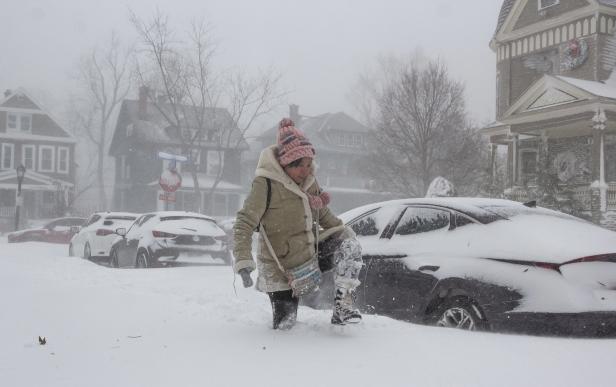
<point>357,140</point>
<point>19,122</point>
<point>46,158</point>
<point>62,159</point>
<point>124,168</point>
<point>7,156</point>
<point>215,162</point>
<point>543,4</point>
<point>27,156</point>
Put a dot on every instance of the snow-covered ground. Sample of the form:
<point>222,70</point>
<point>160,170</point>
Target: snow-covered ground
<point>186,326</point>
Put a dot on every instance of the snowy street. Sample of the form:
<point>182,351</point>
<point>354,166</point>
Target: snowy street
<point>185,326</point>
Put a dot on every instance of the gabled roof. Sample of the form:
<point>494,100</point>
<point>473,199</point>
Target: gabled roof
<point>21,99</point>
<point>599,89</point>
<point>317,129</point>
<point>551,91</point>
<point>508,6</point>
<point>553,98</point>
<point>155,128</point>
<point>504,13</point>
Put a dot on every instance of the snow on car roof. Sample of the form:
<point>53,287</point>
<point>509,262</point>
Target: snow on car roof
<point>164,214</point>
<point>462,204</point>
<point>114,213</point>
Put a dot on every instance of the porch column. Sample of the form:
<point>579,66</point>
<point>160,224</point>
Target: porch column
<point>493,152</point>
<point>543,150</point>
<point>598,188</point>
<point>513,160</point>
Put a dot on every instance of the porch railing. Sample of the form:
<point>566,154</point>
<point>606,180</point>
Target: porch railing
<point>611,196</point>
<point>6,212</point>
<point>582,194</point>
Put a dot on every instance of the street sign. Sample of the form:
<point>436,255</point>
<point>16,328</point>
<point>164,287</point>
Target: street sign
<point>170,180</point>
<point>167,196</point>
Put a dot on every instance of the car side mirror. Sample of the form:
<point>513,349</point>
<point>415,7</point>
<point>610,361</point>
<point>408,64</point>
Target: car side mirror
<point>75,229</point>
<point>121,231</point>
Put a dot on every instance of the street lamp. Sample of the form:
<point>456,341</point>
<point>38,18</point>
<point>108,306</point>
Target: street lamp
<point>21,171</point>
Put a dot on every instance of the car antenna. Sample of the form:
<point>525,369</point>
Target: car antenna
<point>531,204</point>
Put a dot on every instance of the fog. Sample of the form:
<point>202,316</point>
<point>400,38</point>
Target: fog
<point>319,46</point>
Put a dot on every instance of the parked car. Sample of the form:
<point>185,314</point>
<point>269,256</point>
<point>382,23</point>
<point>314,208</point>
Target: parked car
<point>54,231</point>
<point>95,237</point>
<point>158,238</point>
<point>484,264</point>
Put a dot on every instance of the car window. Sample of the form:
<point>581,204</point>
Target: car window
<point>141,220</point>
<point>416,220</point>
<point>462,220</point>
<point>94,218</point>
<point>376,221</point>
<point>145,218</point>
<point>366,225</point>
<point>51,225</point>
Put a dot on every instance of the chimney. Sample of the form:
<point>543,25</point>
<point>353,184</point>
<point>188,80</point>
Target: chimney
<point>7,92</point>
<point>294,114</point>
<point>143,102</point>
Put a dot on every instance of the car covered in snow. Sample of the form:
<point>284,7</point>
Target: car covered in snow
<point>159,238</point>
<point>55,231</point>
<point>484,264</point>
<point>97,234</point>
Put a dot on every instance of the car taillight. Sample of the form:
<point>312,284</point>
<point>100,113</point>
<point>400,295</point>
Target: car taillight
<point>103,232</point>
<point>162,234</point>
<point>547,265</point>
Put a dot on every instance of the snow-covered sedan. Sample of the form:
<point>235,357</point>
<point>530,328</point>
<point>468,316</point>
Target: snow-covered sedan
<point>484,264</point>
<point>55,231</point>
<point>96,236</point>
<point>159,238</point>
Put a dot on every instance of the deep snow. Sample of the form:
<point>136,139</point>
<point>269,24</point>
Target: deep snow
<point>185,326</point>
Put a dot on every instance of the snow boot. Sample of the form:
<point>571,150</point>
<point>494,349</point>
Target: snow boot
<point>344,311</point>
<point>284,309</point>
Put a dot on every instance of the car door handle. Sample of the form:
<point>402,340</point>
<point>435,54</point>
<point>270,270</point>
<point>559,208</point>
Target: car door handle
<point>429,268</point>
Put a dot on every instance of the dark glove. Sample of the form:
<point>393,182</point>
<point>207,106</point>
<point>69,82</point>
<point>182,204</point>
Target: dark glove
<point>245,273</point>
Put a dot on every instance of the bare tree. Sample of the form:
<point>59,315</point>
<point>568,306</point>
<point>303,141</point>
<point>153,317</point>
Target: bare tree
<point>207,108</point>
<point>104,78</point>
<point>421,129</point>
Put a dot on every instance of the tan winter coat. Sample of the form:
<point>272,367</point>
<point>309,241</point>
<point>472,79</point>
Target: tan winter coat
<point>288,223</point>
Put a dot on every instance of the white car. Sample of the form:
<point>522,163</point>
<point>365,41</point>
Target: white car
<point>159,238</point>
<point>96,236</point>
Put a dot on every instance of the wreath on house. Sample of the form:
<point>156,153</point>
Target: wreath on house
<point>574,54</point>
<point>565,164</point>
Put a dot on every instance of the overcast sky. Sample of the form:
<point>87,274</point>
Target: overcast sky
<point>320,46</point>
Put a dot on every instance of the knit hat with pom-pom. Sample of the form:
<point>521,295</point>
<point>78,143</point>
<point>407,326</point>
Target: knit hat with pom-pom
<point>292,144</point>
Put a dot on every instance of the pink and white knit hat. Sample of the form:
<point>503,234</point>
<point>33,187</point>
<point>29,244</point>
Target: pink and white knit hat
<point>292,144</point>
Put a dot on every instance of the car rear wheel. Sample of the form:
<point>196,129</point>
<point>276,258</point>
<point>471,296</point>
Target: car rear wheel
<point>142,260</point>
<point>461,313</point>
<point>113,259</point>
<point>87,252</point>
